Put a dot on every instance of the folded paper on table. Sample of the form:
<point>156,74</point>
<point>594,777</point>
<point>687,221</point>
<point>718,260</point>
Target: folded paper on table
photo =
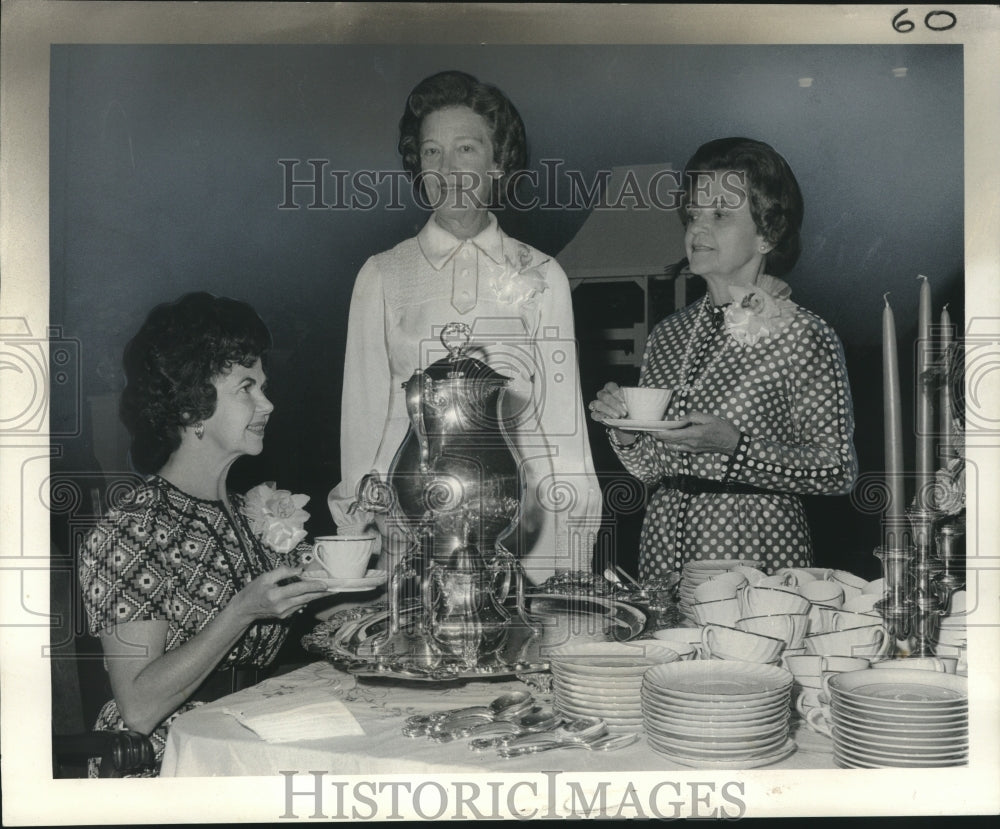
<point>310,715</point>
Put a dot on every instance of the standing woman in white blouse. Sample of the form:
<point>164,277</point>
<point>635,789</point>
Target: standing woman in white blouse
<point>462,140</point>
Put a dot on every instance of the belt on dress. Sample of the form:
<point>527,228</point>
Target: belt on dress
<point>692,485</point>
<point>222,683</point>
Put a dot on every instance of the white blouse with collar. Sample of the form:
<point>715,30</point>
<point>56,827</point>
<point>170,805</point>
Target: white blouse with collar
<point>517,302</point>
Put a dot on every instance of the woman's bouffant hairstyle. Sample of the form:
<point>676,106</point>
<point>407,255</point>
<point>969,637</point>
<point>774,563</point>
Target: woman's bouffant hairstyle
<point>171,362</point>
<point>775,199</point>
<point>453,88</point>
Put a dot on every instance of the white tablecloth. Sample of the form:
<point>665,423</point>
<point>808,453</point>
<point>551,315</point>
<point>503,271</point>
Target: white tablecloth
<point>209,742</point>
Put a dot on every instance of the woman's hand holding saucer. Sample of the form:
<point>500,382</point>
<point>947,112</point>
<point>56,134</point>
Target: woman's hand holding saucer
<point>279,593</point>
<point>703,433</point>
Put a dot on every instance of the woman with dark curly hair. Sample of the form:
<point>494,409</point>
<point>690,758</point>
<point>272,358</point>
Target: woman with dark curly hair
<point>760,411</point>
<point>184,595</point>
<point>463,141</point>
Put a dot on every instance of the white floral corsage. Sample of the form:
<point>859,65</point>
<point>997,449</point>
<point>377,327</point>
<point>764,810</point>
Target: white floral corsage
<point>756,314</point>
<point>520,281</point>
<point>276,516</point>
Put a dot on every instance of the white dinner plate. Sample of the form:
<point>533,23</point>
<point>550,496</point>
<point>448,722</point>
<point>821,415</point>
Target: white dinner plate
<point>881,722</point>
<point>783,751</point>
<point>646,425</point>
<point>687,704</point>
<point>611,720</point>
<point>712,738</point>
<point>371,579</point>
<point>718,679</point>
<point>589,696</point>
<point>744,746</point>
<point>685,723</point>
<point>885,717</point>
<point>905,760</point>
<point>883,748</point>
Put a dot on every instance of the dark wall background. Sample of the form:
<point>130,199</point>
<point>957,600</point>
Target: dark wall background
<point>165,178</point>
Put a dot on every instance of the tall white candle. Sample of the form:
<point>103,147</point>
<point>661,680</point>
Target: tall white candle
<point>947,448</point>
<point>924,395</point>
<point>892,419</point>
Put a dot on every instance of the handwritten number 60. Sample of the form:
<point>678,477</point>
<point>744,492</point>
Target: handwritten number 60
<point>902,25</point>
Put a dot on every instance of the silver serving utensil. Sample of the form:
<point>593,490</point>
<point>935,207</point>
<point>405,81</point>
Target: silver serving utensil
<point>504,704</point>
<point>608,742</point>
<point>584,728</point>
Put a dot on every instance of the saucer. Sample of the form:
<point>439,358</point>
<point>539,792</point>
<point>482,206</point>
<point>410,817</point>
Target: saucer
<point>371,579</point>
<point>646,425</point>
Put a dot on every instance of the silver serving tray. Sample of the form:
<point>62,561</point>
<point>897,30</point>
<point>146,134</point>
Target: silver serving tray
<point>553,620</point>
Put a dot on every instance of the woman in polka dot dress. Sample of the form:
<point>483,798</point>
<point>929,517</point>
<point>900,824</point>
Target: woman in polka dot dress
<point>761,407</point>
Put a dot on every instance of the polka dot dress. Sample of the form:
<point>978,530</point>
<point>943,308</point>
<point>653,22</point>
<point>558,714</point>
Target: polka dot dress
<point>788,395</point>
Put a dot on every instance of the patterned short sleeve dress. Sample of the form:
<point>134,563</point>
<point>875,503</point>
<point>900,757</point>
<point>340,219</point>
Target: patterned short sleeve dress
<point>781,379</point>
<point>166,555</point>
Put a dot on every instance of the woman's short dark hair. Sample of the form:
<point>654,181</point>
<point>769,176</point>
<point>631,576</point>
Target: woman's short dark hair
<point>171,362</point>
<point>775,199</point>
<point>453,88</point>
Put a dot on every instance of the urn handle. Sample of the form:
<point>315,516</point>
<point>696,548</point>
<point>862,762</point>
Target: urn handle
<point>415,409</point>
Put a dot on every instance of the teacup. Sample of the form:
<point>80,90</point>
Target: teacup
<point>756,600</point>
<point>853,585</point>
<point>718,612</point>
<point>752,574</point>
<point>809,699</point>
<point>808,669</point>
<point>865,603</point>
<point>874,587</point>
<point>690,635</point>
<point>871,641</point>
<point>775,580</point>
<point>820,721</point>
<point>828,593</point>
<point>723,642</point>
<point>685,650</point>
<point>719,588</point>
<point>345,556</point>
<point>819,572</point>
<point>845,620</point>
<point>645,403</point>
<point>940,664</point>
<point>790,628</point>
<point>821,618</point>
<point>796,576</point>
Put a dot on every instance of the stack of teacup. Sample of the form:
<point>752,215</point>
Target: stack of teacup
<point>811,673</point>
<point>694,573</point>
<point>843,620</point>
<point>748,622</point>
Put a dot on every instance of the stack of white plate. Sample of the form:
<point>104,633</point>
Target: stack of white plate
<point>899,718</point>
<point>604,679</point>
<point>694,573</point>
<point>718,714</point>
